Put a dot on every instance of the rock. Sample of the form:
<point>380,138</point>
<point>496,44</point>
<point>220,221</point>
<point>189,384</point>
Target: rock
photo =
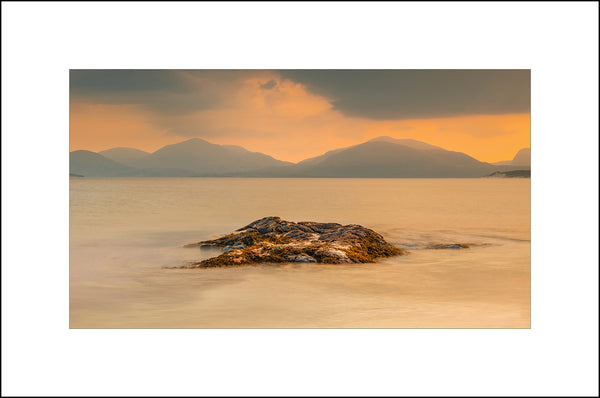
<point>273,240</point>
<point>328,252</point>
<point>510,174</point>
<point>449,246</point>
<point>303,258</point>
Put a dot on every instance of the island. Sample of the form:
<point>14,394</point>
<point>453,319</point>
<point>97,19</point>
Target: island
<point>273,240</point>
<point>511,174</point>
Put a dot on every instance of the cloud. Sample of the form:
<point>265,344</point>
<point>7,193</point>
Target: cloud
<point>371,94</point>
<point>269,85</point>
<point>165,92</point>
<point>402,128</point>
<point>407,94</point>
<point>251,110</point>
<point>97,83</point>
<point>289,116</point>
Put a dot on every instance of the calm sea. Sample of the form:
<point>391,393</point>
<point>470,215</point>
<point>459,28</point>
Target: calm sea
<point>123,231</point>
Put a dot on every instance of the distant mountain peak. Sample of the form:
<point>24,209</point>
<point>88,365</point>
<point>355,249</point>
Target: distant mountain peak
<point>123,148</point>
<point>200,157</point>
<point>523,157</point>
<point>92,164</point>
<point>523,152</point>
<point>409,142</point>
<point>380,157</point>
<point>387,138</point>
<point>124,155</point>
<point>195,139</point>
<point>191,141</point>
<point>382,138</point>
<point>393,158</point>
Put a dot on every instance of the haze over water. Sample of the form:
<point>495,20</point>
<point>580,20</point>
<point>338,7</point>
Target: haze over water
<point>123,231</point>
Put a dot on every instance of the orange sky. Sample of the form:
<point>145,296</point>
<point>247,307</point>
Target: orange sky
<point>288,122</point>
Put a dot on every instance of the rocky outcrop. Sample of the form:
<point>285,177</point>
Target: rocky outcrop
<point>273,240</point>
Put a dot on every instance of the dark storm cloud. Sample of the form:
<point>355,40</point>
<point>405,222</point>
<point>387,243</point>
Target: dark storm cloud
<point>124,81</point>
<point>401,94</point>
<point>161,91</point>
<point>373,94</point>
<point>268,85</point>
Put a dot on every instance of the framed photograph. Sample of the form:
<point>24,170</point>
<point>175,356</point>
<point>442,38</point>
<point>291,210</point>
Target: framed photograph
<point>299,199</point>
<point>381,198</point>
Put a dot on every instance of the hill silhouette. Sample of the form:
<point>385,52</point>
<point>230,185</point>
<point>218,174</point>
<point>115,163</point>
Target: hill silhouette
<point>124,156</point>
<point>381,157</point>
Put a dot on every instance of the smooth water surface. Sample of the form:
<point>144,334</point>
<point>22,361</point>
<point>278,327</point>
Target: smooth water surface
<point>123,231</point>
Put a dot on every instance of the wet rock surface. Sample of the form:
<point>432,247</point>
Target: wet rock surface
<point>273,240</point>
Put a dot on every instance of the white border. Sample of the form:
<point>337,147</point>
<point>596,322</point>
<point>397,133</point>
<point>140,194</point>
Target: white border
<point>41,41</point>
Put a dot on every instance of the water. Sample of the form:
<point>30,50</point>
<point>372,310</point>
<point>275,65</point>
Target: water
<point>124,231</point>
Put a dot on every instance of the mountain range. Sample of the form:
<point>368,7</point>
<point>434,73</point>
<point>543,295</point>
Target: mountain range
<point>381,157</point>
<point>522,158</point>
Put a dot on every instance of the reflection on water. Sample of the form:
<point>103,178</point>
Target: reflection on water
<point>124,231</point>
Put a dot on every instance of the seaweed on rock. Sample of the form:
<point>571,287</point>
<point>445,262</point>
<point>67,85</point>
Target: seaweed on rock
<point>273,240</point>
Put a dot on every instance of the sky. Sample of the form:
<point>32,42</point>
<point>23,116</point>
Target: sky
<point>296,114</point>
